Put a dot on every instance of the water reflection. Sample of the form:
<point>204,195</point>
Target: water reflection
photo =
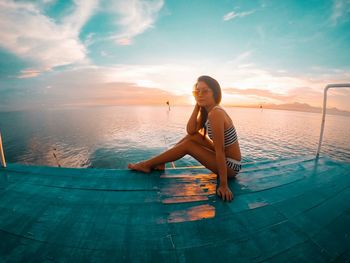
<point>90,136</point>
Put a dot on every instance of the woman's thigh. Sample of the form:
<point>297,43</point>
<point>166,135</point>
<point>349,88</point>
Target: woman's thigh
<point>204,141</point>
<point>207,158</point>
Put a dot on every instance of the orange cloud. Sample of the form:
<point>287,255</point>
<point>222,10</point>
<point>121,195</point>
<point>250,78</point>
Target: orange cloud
<point>301,94</point>
<point>129,94</point>
<point>257,92</point>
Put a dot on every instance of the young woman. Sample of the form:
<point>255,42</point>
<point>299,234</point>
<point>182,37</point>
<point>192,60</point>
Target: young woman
<point>211,138</point>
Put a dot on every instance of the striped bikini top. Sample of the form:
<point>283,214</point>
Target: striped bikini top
<point>230,135</point>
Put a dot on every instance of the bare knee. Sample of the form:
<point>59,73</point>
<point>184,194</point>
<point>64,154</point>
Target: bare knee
<point>186,138</point>
<point>193,137</point>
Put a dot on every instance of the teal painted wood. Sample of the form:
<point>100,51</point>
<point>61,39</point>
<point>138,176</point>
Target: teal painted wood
<point>295,210</point>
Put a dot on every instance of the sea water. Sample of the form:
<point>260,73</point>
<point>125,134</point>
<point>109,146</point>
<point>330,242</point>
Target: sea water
<point>111,137</point>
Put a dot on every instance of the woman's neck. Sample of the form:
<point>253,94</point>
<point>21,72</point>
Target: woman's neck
<point>210,107</point>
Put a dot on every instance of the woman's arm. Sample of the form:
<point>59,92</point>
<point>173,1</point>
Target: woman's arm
<point>216,118</point>
<point>193,122</point>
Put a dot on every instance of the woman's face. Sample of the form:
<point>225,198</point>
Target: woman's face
<point>203,94</point>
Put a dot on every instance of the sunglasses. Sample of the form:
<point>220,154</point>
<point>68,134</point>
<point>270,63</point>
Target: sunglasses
<point>198,92</point>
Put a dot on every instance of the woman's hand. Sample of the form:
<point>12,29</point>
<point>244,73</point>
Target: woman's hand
<point>224,192</point>
<point>197,107</point>
<point>192,124</point>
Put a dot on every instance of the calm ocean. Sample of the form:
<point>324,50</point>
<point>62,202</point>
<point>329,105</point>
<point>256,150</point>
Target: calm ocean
<point>110,137</point>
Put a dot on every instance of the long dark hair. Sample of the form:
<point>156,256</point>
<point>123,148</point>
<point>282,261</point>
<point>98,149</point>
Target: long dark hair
<point>215,87</point>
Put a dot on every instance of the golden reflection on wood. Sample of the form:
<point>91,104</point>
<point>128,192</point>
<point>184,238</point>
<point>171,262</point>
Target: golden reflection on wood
<point>188,188</point>
<point>184,199</point>
<point>192,214</point>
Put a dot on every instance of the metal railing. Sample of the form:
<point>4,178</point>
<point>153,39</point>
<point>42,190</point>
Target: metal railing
<point>2,155</point>
<point>324,110</point>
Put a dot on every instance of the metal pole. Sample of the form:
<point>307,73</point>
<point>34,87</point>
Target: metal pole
<point>2,156</point>
<point>324,111</point>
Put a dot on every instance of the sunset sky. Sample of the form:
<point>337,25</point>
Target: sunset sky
<point>90,52</point>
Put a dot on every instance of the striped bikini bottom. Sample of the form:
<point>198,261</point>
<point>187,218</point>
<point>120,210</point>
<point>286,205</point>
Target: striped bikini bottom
<point>234,164</point>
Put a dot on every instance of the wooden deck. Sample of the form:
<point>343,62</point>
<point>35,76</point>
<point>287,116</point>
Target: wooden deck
<point>295,210</point>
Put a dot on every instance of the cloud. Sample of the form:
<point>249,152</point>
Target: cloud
<point>128,94</point>
<point>281,86</point>
<point>103,54</point>
<point>135,17</point>
<point>177,78</point>
<point>241,57</point>
<point>305,94</point>
<point>47,43</point>
<point>340,9</point>
<point>29,73</point>
<point>298,94</point>
<point>82,12</point>
<point>95,94</point>
<point>91,85</point>
<point>258,93</point>
<point>28,33</point>
<point>109,85</point>
<point>233,14</point>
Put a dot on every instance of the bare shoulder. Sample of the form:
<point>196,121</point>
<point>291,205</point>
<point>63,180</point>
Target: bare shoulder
<point>216,114</point>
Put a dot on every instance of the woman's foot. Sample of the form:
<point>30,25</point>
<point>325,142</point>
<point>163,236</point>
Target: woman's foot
<point>160,167</point>
<point>141,167</point>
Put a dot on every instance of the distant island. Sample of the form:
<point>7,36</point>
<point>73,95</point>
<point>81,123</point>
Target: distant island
<point>296,106</point>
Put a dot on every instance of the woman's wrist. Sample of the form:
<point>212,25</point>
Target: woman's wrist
<point>223,184</point>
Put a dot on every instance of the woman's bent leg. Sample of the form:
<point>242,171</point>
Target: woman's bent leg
<point>189,146</point>
<point>197,137</point>
<point>173,154</point>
